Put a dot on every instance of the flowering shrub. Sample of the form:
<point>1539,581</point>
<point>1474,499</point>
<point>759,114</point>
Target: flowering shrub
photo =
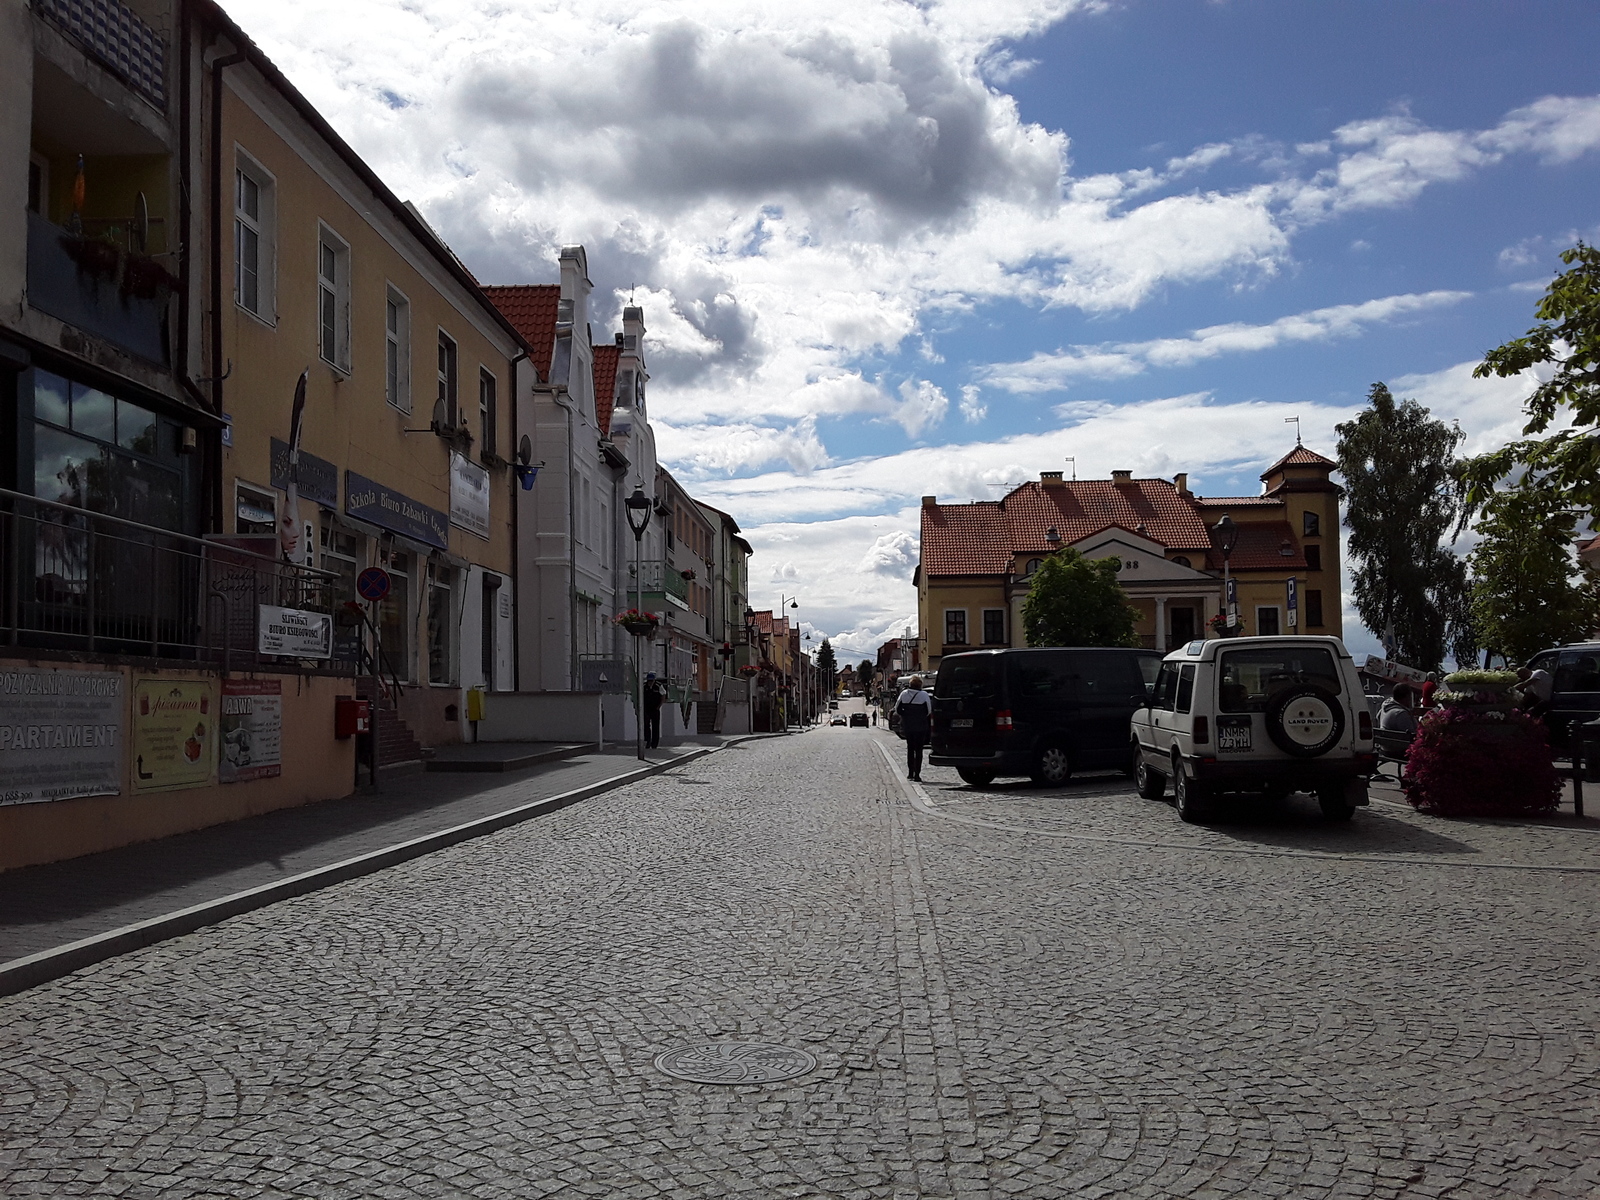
<point>1466,763</point>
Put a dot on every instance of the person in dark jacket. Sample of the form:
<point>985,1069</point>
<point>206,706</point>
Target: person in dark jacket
<point>654,694</point>
<point>915,709</point>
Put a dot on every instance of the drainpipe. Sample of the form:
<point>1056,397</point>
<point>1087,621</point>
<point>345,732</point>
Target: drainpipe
<point>516,510</point>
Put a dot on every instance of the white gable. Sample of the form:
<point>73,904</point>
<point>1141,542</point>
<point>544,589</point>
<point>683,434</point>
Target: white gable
<point>1143,560</point>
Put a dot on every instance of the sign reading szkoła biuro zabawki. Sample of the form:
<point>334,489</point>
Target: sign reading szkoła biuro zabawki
<point>60,734</point>
<point>174,735</point>
<point>371,501</point>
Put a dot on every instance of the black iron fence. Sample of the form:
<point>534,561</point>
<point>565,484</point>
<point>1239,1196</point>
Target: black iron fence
<point>85,581</point>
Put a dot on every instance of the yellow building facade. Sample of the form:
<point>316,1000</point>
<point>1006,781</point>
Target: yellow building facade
<point>978,559</point>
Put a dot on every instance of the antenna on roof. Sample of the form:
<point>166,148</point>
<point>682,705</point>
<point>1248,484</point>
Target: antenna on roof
<point>1073,459</point>
<point>1295,421</point>
<point>631,286</point>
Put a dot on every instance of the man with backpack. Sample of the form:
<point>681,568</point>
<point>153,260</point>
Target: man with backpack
<point>915,710</point>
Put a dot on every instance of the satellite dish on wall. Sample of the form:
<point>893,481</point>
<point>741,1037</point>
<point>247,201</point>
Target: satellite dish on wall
<point>441,416</point>
<point>525,450</point>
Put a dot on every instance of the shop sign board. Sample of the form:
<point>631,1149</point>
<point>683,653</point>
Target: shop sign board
<point>294,632</point>
<point>251,730</point>
<point>469,496</point>
<point>174,733</point>
<point>388,509</point>
<point>60,734</point>
<point>316,479</point>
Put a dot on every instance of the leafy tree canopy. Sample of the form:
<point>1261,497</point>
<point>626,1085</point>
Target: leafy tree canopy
<point>1527,594</point>
<point>1565,464</point>
<point>826,662</point>
<point>1401,502</point>
<point>1073,601</point>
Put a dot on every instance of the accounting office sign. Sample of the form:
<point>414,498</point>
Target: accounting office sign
<point>60,734</point>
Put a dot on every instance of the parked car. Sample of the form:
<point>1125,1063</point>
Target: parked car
<point>1575,699</point>
<point>1042,713</point>
<point>1270,715</point>
<point>858,718</point>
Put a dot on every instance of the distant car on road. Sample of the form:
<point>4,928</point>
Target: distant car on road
<point>858,718</point>
<point>837,721</point>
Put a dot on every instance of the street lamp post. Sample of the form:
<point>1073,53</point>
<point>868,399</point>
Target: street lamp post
<point>638,508</point>
<point>785,603</point>
<point>1227,535</point>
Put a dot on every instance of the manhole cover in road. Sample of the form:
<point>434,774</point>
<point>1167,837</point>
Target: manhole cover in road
<point>735,1062</point>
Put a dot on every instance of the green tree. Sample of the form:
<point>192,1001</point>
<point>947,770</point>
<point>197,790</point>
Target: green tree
<point>1073,601</point>
<point>1565,464</point>
<point>864,674</point>
<point>1401,503</point>
<point>827,662</point>
<point>1528,593</point>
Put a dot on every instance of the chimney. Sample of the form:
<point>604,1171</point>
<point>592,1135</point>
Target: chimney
<point>1121,477</point>
<point>930,501</point>
<point>1181,482</point>
<point>1050,478</point>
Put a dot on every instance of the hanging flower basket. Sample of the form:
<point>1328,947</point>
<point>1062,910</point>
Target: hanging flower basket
<point>687,573</point>
<point>747,670</point>
<point>639,624</point>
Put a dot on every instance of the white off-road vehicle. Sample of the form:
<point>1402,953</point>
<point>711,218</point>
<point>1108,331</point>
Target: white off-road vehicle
<point>1269,715</point>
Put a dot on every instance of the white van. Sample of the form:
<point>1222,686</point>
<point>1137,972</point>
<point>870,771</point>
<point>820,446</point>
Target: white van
<point>1270,715</point>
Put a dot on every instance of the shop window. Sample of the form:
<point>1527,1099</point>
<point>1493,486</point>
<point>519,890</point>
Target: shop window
<point>955,626</point>
<point>394,616</point>
<point>333,299</point>
<point>397,350</point>
<point>1313,558</point>
<point>441,627</point>
<point>255,509</point>
<point>491,599</point>
<point>341,554</point>
<point>994,626</point>
<point>1314,609</point>
<point>1311,524</point>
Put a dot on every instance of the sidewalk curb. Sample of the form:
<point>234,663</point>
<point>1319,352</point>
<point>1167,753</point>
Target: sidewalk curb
<point>22,973</point>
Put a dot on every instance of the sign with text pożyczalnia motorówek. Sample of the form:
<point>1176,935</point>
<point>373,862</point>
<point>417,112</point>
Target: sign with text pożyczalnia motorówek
<point>60,734</point>
<point>383,506</point>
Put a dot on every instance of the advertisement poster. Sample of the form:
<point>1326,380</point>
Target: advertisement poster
<point>295,633</point>
<point>174,733</point>
<point>251,730</point>
<point>60,735</point>
<point>469,496</point>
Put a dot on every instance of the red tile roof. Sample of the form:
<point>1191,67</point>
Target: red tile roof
<point>1260,548</point>
<point>531,308</point>
<point>982,538</point>
<point>1224,502</point>
<point>1300,457</point>
<point>605,384</point>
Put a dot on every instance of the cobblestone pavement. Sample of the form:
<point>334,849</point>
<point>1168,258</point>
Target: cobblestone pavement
<point>998,1007</point>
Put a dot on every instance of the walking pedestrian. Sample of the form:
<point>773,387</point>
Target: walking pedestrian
<point>1430,685</point>
<point>915,708</point>
<point>654,694</point>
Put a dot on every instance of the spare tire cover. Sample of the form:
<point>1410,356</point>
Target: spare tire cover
<point>1305,721</point>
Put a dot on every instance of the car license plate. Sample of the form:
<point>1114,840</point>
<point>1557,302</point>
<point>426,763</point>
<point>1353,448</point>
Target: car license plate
<point>1233,737</point>
<point>961,723</point>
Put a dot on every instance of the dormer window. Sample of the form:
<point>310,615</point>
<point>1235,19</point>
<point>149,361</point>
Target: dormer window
<point>1052,534</point>
<point>1033,565</point>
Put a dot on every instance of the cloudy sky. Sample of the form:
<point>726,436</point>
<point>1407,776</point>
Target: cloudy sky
<point>890,249</point>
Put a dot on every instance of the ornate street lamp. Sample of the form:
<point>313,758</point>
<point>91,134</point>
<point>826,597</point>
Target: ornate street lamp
<point>1226,535</point>
<point>638,508</point>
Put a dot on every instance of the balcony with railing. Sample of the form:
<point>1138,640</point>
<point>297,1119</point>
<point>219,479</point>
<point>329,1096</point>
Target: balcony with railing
<point>660,584</point>
<point>97,284</point>
<point>118,38</point>
<point>82,581</point>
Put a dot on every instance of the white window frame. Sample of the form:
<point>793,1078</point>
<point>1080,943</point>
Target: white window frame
<point>334,293</point>
<point>449,382</point>
<point>397,350</point>
<point>488,413</point>
<point>264,497</point>
<point>264,226</point>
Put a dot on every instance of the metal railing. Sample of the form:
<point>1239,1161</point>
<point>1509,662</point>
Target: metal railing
<point>651,577</point>
<point>86,581</point>
<point>116,35</point>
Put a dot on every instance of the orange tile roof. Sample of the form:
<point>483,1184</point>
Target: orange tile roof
<point>1300,457</point>
<point>1222,502</point>
<point>605,384</point>
<point>1260,548</point>
<point>965,539</point>
<point>531,308</point>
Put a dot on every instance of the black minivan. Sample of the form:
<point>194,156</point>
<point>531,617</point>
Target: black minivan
<point>1042,712</point>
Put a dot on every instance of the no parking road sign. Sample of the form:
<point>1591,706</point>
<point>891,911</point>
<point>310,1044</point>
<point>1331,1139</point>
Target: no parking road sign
<point>372,584</point>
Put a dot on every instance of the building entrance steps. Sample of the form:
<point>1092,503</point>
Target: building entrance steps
<point>503,756</point>
<point>57,917</point>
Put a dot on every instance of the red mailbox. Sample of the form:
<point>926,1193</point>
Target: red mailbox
<point>351,717</point>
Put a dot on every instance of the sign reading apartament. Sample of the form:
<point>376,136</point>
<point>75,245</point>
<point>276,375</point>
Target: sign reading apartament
<point>174,733</point>
<point>469,496</point>
<point>294,632</point>
<point>60,735</point>
<point>251,730</point>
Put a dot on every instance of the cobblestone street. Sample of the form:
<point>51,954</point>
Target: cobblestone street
<point>1013,992</point>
